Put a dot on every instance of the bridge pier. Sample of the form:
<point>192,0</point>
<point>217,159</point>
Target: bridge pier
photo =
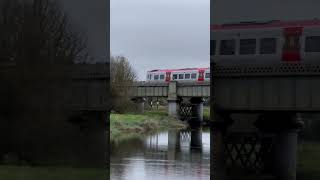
<point>285,157</point>
<point>173,144</point>
<point>271,148</point>
<point>196,138</point>
<point>173,100</point>
<point>173,108</point>
<point>197,108</point>
<point>140,104</point>
<point>218,129</point>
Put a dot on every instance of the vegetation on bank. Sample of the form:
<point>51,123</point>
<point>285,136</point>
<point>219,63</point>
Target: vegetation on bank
<point>308,166</point>
<point>51,173</point>
<point>124,126</point>
<point>206,113</point>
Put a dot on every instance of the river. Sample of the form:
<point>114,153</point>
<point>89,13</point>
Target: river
<point>170,155</point>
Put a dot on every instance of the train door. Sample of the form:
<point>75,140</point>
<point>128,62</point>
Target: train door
<point>201,75</point>
<point>292,44</point>
<point>168,76</point>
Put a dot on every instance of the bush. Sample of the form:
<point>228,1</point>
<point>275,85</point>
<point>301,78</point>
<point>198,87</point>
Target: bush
<point>311,130</point>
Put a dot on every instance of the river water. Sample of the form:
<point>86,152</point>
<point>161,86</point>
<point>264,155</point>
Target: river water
<point>171,155</point>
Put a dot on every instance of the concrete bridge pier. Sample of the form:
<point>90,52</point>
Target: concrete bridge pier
<point>196,138</point>
<point>197,108</point>
<point>285,149</point>
<point>173,144</point>
<point>282,160</point>
<point>140,104</point>
<point>173,100</point>
<point>285,159</point>
<point>173,108</point>
<point>218,130</point>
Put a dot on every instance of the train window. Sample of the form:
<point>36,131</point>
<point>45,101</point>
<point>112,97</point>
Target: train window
<point>207,75</point>
<point>181,76</point>
<point>268,45</point>
<point>187,76</point>
<point>175,76</point>
<point>247,46</point>
<point>162,76</point>
<point>212,47</point>
<point>312,44</point>
<point>193,76</point>
<point>227,47</point>
<point>156,77</point>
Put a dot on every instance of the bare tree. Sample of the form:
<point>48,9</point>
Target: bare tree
<point>122,75</point>
<point>38,31</point>
<point>37,37</point>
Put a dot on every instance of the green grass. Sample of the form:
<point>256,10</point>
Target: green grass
<point>308,166</point>
<point>206,113</point>
<point>125,126</point>
<point>51,173</point>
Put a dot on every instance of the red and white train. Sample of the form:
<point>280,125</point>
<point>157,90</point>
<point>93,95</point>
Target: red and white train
<point>266,42</point>
<point>182,75</point>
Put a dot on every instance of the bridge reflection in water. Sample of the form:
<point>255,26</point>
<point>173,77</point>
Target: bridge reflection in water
<point>168,155</point>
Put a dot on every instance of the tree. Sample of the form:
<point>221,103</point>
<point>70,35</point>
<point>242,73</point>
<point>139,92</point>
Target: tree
<point>122,75</point>
<point>38,39</point>
<point>38,31</point>
<point>122,72</point>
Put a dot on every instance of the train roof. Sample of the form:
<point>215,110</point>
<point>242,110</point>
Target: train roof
<point>266,24</point>
<point>170,70</point>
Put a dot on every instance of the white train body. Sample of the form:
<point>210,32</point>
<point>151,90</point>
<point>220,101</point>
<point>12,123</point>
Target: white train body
<point>270,42</point>
<point>181,75</point>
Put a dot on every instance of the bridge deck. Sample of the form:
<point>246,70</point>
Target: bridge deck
<point>185,89</point>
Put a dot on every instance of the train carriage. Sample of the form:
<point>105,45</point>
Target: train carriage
<point>180,75</point>
<point>266,66</point>
<point>270,42</point>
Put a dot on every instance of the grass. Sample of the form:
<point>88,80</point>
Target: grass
<point>51,173</point>
<point>206,113</point>
<point>308,166</point>
<point>126,126</point>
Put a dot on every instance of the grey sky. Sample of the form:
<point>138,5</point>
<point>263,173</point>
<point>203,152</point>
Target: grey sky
<point>156,34</point>
<point>226,11</point>
<point>90,18</point>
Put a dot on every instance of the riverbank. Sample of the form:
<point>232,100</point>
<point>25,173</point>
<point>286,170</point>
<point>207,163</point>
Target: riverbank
<point>51,173</point>
<point>125,126</point>
<point>308,166</point>
<point>206,113</point>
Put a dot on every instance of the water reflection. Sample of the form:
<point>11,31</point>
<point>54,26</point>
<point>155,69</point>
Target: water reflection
<point>170,155</point>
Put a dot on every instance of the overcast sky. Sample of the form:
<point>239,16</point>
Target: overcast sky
<point>155,34</point>
<point>227,11</point>
<point>89,17</point>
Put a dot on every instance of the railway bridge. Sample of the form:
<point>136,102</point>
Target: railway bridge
<point>174,92</point>
<point>257,114</point>
<point>67,104</point>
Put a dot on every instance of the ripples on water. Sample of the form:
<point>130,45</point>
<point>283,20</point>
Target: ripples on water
<point>167,155</point>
